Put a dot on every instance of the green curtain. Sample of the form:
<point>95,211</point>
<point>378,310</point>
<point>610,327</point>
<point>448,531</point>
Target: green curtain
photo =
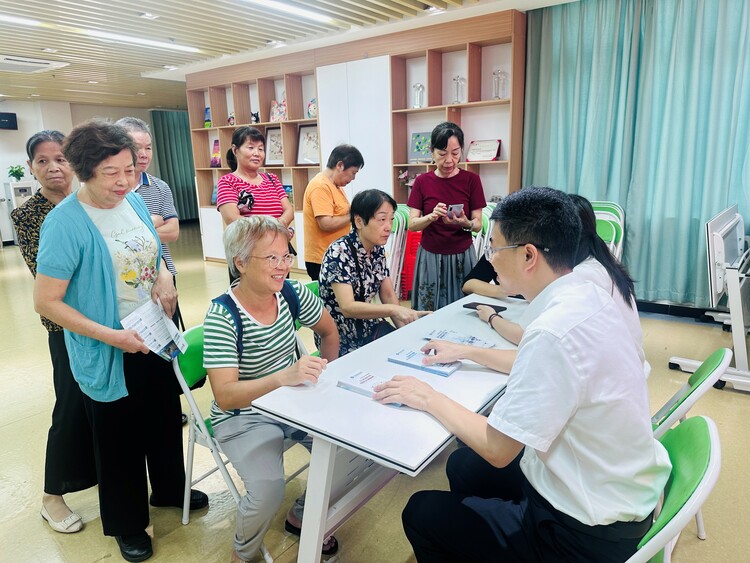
<point>647,103</point>
<point>175,158</point>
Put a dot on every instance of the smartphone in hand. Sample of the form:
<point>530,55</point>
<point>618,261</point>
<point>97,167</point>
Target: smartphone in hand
<point>454,210</point>
<point>475,304</point>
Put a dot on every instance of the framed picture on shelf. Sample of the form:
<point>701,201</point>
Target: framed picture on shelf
<point>308,150</point>
<point>419,148</point>
<point>274,148</point>
<point>483,150</point>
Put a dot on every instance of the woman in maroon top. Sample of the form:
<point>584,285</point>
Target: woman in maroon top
<point>446,253</point>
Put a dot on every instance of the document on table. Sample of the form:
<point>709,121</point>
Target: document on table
<point>458,338</point>
<point>158,331</point>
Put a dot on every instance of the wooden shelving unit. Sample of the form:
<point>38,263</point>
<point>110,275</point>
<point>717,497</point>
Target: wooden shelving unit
<point>430,55</point>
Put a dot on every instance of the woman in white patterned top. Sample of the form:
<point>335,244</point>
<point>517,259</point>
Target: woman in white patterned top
<point>257,250</point>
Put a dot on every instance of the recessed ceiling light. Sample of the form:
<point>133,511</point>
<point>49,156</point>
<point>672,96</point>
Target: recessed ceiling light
<point>169,67</point>
<point>140,93</point>
<point>433,10</point>
<point>49,50</point>
<point>93,82</point>
<point>147,15</point>
<point>139,41</point>
<point>19,21</point>
<point>282,7</point>
<point>275,43</point>
<point>35,95</point>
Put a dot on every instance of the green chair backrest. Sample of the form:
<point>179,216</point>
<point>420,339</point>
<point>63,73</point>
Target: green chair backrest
<point>689,448</point>
<point>314,287</point>
<point>191,361</point>
<point>704,371</point>
<point>611,207</point>
<point>606,230</point>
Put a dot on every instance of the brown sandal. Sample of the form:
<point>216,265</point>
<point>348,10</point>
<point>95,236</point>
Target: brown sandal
<point>330,544</point>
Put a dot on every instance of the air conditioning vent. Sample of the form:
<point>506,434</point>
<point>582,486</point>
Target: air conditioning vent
<point>12,63</point>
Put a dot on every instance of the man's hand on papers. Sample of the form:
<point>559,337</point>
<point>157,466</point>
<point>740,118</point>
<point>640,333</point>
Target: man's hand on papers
<point>128,341</point>
<point>406,390</point>
<point>444,352</point>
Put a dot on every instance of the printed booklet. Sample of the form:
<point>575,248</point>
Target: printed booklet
<point>458,338</point>
<point>158,331</point>
<point>414,359</point>
<point>362,382</point>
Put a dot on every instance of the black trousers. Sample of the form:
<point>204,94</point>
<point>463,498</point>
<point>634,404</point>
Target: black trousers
<point>69,464</point>
<point>521,526</point>
<point>313,270</point>
<point>138,431</point>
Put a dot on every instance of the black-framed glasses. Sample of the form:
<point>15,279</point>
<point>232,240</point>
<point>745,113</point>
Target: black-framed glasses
<point>275,261</point>
<point>490,250</point>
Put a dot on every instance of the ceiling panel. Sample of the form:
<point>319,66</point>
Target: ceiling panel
<point>110,71</point>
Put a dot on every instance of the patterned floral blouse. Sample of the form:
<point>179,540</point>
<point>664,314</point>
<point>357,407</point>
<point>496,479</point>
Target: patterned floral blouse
<point>28,220</point>
<point>338,267</point>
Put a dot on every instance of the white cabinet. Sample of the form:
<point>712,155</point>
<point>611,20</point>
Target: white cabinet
<point>212,229</point>
<point>354,107</point>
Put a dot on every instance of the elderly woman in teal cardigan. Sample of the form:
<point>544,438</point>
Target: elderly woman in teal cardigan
<point>99,259</point>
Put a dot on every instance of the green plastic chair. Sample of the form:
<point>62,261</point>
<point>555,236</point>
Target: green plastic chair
<point>695,452</point>
<point>699,382</point>
<point>188,368</point>
<point>606,231</point>
<point>676,408</point>
<point>610,207</point>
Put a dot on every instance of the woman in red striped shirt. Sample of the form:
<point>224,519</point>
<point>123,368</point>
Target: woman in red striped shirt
<point>246,191</point>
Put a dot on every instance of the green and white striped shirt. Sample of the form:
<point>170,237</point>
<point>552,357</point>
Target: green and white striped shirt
<point>267,348</point>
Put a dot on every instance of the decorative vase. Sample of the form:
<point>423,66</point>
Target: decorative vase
<point>418,95</point>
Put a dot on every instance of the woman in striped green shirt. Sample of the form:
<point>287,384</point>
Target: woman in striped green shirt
<point>257,250</point>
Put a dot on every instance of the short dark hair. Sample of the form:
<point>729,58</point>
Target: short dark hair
<point>348,154</point>
<point>239,138</point>
<point>92,142</point>
<point>367,202</point>
<point>544,217</point>
<point>46,136</point>
<point>443,132</point>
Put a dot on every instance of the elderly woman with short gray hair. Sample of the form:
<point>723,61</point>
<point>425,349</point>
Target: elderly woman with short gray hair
<point>259,311</point>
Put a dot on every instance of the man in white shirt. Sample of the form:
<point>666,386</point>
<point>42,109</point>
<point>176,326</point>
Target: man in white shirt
<point>566,467</point>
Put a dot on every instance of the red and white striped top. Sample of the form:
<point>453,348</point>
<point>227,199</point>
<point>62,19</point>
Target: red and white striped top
<point>261,199</point>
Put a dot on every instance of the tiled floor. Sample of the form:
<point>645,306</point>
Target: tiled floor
<point>374,534</point>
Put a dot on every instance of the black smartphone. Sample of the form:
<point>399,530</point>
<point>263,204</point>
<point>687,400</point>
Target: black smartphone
<point>475,304</point>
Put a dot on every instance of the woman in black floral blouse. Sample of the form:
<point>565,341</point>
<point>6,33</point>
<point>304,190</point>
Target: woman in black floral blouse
<point>69,464</point>
<point>354,272</point>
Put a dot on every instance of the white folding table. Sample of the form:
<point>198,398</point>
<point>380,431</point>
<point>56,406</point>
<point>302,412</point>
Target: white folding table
<point>359,445</point>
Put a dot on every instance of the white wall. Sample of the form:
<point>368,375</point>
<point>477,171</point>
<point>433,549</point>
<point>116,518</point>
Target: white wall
<point>63,116</point>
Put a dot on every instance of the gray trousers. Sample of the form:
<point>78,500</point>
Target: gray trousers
<point>255,446</point>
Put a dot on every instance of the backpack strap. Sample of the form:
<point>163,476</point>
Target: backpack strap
<point>228,303</point>
<point>292,299</point>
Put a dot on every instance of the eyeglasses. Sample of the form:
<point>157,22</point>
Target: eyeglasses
<point>490,250</point>
<point>275,261</point>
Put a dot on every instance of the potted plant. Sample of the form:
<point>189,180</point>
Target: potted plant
<point>16,172</point>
